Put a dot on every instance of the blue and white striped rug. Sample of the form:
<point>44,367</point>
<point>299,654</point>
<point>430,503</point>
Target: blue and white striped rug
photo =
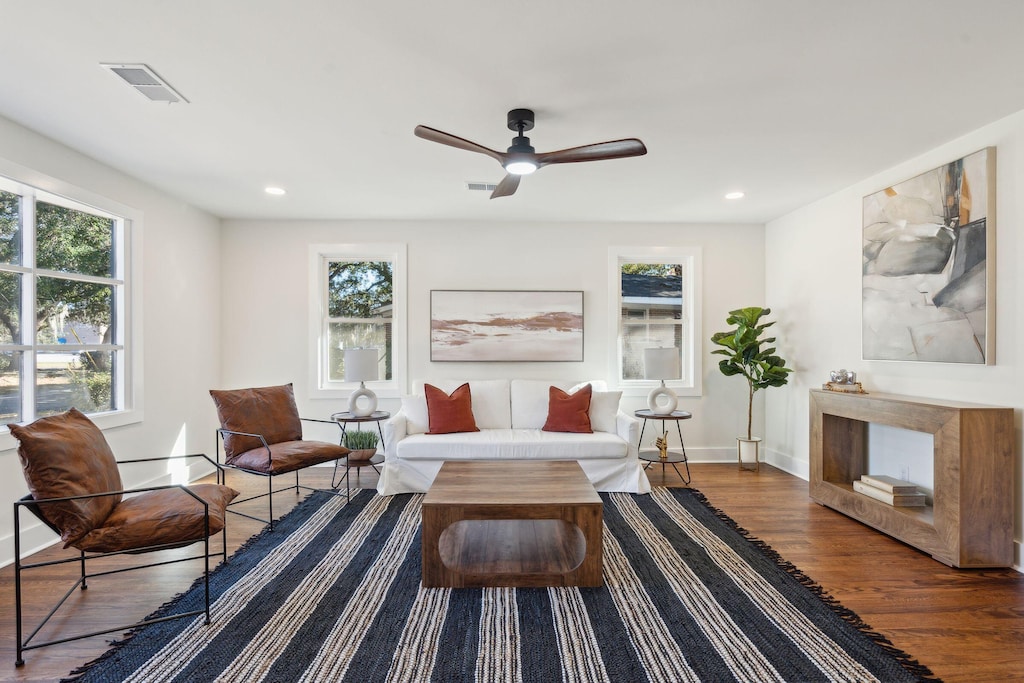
<point>333,594</point>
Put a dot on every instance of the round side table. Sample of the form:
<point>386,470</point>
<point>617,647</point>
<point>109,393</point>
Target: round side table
<point>672,457</point>
<point>344,419</point>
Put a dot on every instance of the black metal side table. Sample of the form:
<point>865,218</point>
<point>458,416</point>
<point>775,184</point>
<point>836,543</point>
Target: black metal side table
<point>671,457</point>
<point>344,419</point>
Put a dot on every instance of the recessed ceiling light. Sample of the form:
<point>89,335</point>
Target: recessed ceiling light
<point>734,195</point>
<point>276,191</point>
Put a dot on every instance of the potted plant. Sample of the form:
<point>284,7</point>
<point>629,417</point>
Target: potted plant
<point>748,354</point>
<point>362,444</point>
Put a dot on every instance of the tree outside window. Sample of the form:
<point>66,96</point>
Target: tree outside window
<point>360,303</point>
<point>59,301</point>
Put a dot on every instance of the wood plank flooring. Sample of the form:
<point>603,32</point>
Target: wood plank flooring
<point>966,625</point>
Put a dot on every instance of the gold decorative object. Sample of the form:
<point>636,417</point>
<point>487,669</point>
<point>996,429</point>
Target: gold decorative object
<point>662,443</point>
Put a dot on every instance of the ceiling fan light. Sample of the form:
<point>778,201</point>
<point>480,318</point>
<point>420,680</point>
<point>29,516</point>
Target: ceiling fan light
<point>520,166</point>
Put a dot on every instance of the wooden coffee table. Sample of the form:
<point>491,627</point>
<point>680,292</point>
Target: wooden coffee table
<point>512,523</point>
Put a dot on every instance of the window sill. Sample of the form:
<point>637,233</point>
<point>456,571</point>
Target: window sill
<point>103,421</point>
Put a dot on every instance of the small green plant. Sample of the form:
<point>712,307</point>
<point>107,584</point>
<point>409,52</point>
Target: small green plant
<point>359,441</point>
<point>744,355</point>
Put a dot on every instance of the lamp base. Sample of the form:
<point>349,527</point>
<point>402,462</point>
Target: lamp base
<point>659,408</point>
<point>362,409</point>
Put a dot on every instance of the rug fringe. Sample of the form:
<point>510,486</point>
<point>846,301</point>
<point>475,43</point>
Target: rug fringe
<point>911,665</point>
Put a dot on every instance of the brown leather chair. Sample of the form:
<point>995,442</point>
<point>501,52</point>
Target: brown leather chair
<point>76,490</point>
<point>261,434</point>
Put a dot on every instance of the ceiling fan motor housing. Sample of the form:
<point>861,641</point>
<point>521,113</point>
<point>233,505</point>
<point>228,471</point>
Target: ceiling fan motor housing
<point>520,120</point>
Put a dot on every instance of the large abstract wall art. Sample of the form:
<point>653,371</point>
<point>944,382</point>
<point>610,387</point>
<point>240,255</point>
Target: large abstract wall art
<point>506,325</point>
<point>928,284</point>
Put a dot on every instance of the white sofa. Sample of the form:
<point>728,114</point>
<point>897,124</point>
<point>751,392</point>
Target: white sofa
<point>510,415</point>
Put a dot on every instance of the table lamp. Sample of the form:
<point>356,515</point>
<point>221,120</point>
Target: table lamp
<point>361,366</point>
<point>662,364</point>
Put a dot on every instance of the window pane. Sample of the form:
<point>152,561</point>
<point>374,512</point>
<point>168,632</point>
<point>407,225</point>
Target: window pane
<point>359,289</point>
<point>637,337</point>
<point>73,241</point>
<point>72,312</point>
<point>81,380</point>
<point>10,386</point>
<point>10,308</point>
<point>10,228</point>
<point>361,334</point>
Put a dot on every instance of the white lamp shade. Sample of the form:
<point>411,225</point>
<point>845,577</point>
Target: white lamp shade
<point>662,363</point>
<point>361,365</point>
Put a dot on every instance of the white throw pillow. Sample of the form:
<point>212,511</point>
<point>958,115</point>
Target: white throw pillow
<point>604,407</point>
<point>417,421</point>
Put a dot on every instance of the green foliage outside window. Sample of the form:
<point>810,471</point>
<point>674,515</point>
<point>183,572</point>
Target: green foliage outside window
<point>69,243</point>
<point>360,295</point>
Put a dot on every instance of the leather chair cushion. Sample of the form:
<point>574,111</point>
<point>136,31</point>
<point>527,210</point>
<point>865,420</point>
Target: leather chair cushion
<point>168,516</point>
<point>269,411</point>
<point>67,455</point>
<point>289,456</point>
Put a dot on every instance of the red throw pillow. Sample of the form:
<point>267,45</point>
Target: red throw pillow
<point>449,414</point>
<point>569,412</point>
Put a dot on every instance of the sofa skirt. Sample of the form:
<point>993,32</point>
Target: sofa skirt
<point>624,475</point>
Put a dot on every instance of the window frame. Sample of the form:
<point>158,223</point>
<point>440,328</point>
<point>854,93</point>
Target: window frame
<point>320,255</point>
<point>691,352</point>
<point>126,261</point>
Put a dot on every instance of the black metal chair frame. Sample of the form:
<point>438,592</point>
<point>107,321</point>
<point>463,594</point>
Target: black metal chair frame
<point>222,468</point>
<point>34,506</point>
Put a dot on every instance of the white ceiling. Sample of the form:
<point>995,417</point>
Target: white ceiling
<point>788,100</point>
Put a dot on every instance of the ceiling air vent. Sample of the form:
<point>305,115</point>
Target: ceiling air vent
<point>145,80</point>
<point>484,187</point>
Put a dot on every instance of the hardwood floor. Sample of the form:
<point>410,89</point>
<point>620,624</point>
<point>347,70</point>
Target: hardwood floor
<point>966,625</point>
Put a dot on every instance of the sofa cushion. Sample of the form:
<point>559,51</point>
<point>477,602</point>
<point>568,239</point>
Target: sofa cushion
<point>569,412</point>
<point>269,411</point>
<point>530,402</point>
<point>604,410</point>
<point>67,455</point>
<point>518,444</point>
<point>415,410</point>
<point>448,414</point>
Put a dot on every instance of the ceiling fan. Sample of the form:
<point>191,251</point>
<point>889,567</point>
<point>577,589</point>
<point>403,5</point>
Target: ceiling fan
<point>522,159</point>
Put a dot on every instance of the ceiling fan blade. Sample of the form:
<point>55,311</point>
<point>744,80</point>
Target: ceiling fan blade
<point>615,149</point>
<point>508,186</point>
<point>435,135</point>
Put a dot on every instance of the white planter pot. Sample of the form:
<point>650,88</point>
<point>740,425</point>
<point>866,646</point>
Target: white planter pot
<point>748,453</point>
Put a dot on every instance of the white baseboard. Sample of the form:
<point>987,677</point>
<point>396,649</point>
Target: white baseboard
<point>787,463</point>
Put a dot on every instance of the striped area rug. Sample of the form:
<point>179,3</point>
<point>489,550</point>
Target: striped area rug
<point>333,594</point>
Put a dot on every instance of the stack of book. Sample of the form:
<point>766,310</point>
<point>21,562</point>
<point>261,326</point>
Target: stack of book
<point>889,490</point>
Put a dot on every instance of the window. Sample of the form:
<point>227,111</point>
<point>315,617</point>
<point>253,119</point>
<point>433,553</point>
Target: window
<point>63,306</point>
<point>655,295</point>
<point>360,303</point>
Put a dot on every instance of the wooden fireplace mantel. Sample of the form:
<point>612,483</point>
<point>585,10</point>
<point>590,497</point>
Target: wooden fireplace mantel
<point>970,523</point>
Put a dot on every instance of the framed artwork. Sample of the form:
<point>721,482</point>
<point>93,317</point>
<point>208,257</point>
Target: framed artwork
<point>491,325</point>
<point>928,285</point>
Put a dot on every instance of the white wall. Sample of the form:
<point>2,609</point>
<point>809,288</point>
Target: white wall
<point>266,299</point>
<point>180,304</point>
<point>813,271</point>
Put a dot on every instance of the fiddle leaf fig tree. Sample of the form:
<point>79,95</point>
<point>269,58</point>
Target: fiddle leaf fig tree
<point>748,354</point>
